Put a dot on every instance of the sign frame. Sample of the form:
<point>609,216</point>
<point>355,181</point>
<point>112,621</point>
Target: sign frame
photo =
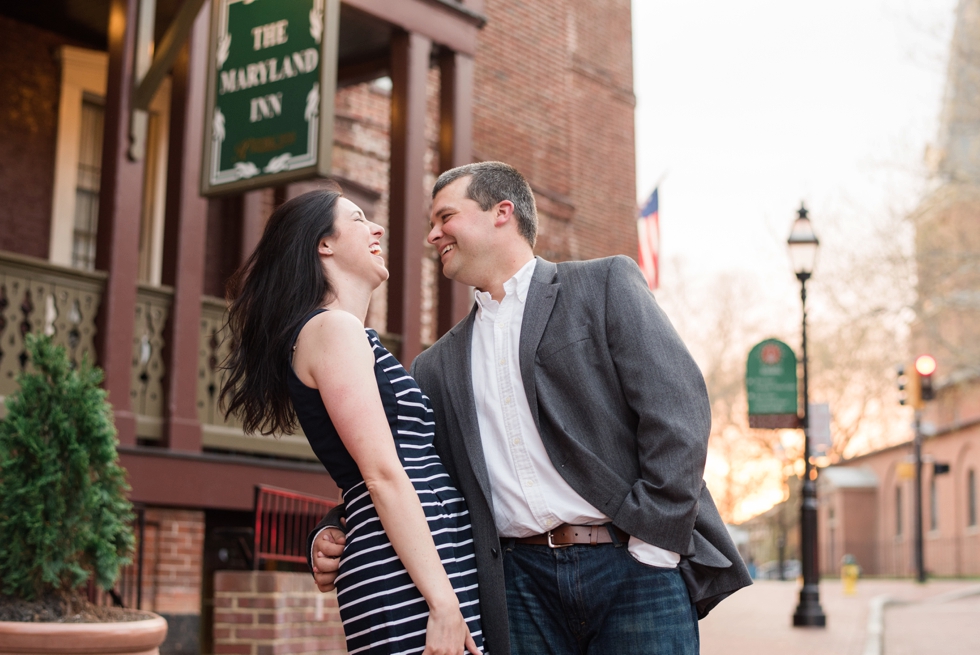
<point>321,164</point>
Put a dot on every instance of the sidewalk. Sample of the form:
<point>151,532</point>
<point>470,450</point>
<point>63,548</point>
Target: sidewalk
<point>938,617</point>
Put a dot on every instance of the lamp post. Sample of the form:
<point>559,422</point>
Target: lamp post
<point>803,245</point>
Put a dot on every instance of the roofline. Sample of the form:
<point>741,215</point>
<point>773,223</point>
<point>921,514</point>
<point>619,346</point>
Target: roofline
<point>942,432</point>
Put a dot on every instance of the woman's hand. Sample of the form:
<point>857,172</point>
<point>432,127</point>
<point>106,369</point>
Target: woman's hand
<point>445,632</point>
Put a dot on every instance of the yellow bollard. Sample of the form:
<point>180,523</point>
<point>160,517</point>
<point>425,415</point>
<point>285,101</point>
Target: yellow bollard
<point>849,572</point>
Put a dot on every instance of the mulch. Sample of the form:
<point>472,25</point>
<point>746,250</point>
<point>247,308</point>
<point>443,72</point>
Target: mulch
<point>55,609</point>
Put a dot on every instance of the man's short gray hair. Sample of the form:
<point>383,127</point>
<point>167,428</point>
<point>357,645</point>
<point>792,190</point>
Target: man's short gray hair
<point>492,182</point>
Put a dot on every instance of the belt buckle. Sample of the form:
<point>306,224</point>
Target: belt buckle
<point>552,545</point>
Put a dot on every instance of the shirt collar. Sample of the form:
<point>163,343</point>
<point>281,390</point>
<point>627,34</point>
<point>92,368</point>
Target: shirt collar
<point>517,285</point>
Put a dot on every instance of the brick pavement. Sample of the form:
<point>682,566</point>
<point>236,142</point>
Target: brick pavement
<point>758,620</point>
<point>951,627</point>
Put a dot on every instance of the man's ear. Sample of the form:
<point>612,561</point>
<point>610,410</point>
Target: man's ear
<point>504,212</point>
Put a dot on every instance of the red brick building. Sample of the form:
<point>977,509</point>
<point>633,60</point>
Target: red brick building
<point>867,504</point>
<point>124,259</point>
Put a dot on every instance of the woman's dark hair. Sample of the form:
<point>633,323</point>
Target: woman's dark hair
<point>271,293</point>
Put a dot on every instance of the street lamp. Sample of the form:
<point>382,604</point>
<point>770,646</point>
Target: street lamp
<point>803,245</point>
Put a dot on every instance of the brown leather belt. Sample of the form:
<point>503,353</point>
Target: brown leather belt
<point>569,535</point>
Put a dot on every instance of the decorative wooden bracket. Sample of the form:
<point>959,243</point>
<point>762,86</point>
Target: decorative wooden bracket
<point>154,63</point>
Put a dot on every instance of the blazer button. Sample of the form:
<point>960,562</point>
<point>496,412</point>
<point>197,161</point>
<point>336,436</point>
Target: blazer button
<point>493,551</point>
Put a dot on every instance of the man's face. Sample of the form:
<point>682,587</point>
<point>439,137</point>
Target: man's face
<point>462,234</point>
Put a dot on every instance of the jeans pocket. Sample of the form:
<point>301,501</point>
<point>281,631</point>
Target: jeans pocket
<point>651,567</point>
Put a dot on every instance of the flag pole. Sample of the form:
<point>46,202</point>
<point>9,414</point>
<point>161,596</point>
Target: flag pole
<point>663,176</point>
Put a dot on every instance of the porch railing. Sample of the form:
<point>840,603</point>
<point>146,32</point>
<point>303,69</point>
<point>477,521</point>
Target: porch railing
<point>149,368</point>
<point>283,519</point>
<point>36,296</point>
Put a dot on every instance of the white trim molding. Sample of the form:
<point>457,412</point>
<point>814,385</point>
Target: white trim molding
<point>82,71</point>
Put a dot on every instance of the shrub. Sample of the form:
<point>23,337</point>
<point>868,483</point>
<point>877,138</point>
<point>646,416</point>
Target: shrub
<point>64,515</point>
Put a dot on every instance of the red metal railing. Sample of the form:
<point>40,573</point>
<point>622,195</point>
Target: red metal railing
<point>128,591</point>
<point>283,520</point>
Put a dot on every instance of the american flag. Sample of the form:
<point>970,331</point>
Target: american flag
<point>648,229</point>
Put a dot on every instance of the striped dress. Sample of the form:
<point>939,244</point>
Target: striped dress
<point>382,610</point>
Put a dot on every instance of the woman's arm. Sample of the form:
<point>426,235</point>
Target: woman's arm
<point>334,353</point>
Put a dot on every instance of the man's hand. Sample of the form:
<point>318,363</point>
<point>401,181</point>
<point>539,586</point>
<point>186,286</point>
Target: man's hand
<point>327,549</point>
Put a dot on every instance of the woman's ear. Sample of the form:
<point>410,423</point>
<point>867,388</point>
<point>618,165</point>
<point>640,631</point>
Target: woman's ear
<point>324,249</point>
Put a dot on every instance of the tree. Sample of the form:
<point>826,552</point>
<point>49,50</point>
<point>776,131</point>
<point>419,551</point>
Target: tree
<point>64,515</point>
<point>860,307</point>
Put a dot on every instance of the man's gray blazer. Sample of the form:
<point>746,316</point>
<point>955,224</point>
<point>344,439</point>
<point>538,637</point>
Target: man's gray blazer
<point>622,410</point>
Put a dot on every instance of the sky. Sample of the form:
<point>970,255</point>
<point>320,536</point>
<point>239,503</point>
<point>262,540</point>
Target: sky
<point>745,109</point>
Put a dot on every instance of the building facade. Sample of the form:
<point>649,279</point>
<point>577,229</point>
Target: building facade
<point>121,258</point>
<point>868,503</point>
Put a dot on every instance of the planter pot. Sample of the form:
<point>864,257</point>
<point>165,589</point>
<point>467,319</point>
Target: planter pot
<point>120,638</point>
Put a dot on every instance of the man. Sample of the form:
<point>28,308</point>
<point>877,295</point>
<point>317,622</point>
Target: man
<point>575,423</point>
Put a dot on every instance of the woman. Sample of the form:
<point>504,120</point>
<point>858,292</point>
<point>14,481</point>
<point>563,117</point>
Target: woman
<point>407,585</point>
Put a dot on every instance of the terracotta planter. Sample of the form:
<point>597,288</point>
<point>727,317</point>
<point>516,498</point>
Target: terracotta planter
<point>122,638</point>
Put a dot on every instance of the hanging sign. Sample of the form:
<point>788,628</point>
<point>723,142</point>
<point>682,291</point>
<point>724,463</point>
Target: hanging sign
<point>770,380</point>
<point>821,438</point>
<point>271,78</point>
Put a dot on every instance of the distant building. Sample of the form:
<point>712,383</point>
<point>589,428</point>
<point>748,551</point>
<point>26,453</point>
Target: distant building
<point>123,259</point>
<point>867,506</point>
<point>947,221</point>
<point>868,503</point>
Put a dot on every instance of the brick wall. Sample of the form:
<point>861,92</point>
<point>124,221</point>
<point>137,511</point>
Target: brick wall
<point>173,556</point>
<point>273,613</point>
<point>361,152</point>
<point>952,548</point>
<point>554,97</point>
<point>30,79</point>
<point>362,125</point>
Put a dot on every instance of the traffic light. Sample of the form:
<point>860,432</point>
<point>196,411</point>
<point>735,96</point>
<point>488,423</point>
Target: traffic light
<point>915,382</point>
<point>908,386</point>
<point>925,366</point>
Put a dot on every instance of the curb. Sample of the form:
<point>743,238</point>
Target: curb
<point>874,643</point>
<point>950,596</point>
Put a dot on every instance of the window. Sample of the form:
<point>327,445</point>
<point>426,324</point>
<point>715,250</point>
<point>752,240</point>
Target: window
<point>87,184</point>
<point>933,506</point>
<point>75,203</point>
<point>971,498</point>
<point>898,511</point>
<point>78,162</point>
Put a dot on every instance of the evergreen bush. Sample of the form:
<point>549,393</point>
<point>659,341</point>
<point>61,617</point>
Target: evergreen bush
<point>64,515</point>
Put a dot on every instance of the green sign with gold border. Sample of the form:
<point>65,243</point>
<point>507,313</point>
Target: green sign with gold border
<point>271,79</point>
<point>770,381</point>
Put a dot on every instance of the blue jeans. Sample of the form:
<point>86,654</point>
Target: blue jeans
<point>595,600</point>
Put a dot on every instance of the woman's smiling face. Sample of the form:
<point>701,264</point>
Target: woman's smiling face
<point>356,244</point>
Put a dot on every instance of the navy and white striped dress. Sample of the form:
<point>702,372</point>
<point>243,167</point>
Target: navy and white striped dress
<point>381,608</point>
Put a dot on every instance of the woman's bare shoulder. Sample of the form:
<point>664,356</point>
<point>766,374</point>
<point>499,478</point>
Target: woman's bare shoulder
<point>333,325</point>
<point>335,335</point>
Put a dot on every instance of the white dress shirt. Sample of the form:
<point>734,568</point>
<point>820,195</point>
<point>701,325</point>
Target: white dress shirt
<point>529,495</point>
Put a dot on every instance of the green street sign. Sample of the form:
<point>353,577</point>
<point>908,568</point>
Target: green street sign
<point>272,74</point>
<point>770,380</point>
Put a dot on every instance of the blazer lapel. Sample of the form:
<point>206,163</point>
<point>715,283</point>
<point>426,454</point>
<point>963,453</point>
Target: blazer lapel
<point>541,296</point>
<point>459,378</point>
